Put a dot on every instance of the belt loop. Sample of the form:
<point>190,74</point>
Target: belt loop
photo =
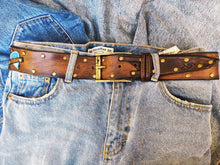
<point>71,66</point>
<point>156,63</point>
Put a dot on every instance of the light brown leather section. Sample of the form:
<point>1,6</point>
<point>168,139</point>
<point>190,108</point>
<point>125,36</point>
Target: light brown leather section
<point>203,65</point>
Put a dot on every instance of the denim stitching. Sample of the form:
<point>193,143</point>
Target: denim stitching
<point>56,91</point>
<point>38,19</point>
<point>181,104</point>
<point>106,154</point>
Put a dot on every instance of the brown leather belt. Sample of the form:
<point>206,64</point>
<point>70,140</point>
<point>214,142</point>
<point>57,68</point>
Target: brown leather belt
<point>118,66</point>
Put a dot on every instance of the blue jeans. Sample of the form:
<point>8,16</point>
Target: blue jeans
<point>83,122</point>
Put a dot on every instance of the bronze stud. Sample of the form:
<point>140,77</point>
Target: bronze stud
<point>162,60</point>
<point>54,73</point>
<point>42,55</point>
<point>64,58</point>
<point>33,71</point>
<point>74,75</point>
<point>175,69</point>
<point>133,73</point>
<point>94,76</point>
<point>186,59</point>
<point>188,75</point>
<point>212,75</point>
<point>85,60</point>
<point>210,62</point>
<point>112,75</point>
<point>121,58</point>
<point>23,53</point>
<point>200,65</point>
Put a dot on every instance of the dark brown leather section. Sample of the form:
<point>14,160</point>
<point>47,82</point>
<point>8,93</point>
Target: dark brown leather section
<point>146,67</point>
<point>203,65</point>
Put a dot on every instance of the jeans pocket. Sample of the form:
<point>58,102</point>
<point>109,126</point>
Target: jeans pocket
<point>28,89</point>
<point>191,98</point>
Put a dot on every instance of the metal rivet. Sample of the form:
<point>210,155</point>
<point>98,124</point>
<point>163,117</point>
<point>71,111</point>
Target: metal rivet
<point>200,65</point>
<point>133,73</point>
<point>33,71</point>
<point>139,59</point>
<point>65,58</point>
<point>153,71</point>
<point>20,60</point>
<point>103,60</point>
<point>210,61</point>
<point>23,53</point>
<point>121,58</point>
<point>54,74</point>
<point>175,69</point>
<point>188,75</point>
<point>84,60</point>
<point>10,96</point>
<point>94,76</point>
<point>112,75</point>
<point>186,59</point>
<point>162,60</point>
<point>42,55</point>
<point>46,79</point>
<point>74,75</point>
<point>212,75</point>
<point>21,76</point>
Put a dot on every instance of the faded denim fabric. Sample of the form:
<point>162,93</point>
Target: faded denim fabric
<point>84,122</point>
<point>28,21</point>
<point>163,23</point>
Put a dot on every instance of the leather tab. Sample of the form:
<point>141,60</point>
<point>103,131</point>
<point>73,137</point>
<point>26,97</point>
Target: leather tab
<point>146,67</point>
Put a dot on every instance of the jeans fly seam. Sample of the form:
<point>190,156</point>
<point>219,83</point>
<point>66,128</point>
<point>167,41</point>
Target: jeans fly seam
<point>109,114</point>
<point>127,108</point>
<point>166,93</point>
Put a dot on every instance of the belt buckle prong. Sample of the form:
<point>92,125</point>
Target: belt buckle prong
<point>99,67</point>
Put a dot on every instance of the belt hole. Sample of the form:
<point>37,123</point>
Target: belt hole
<point>78,66</point>
<point>119,66</point>
<point>93,67</point>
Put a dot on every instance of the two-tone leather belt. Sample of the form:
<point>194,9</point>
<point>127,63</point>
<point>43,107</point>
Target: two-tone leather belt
<point>118,66</point>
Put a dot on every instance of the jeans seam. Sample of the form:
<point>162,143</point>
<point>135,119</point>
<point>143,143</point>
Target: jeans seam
<point>41,100</point>
<point>180,103</point>
<point>123,139</point>
<point>38,19</point>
